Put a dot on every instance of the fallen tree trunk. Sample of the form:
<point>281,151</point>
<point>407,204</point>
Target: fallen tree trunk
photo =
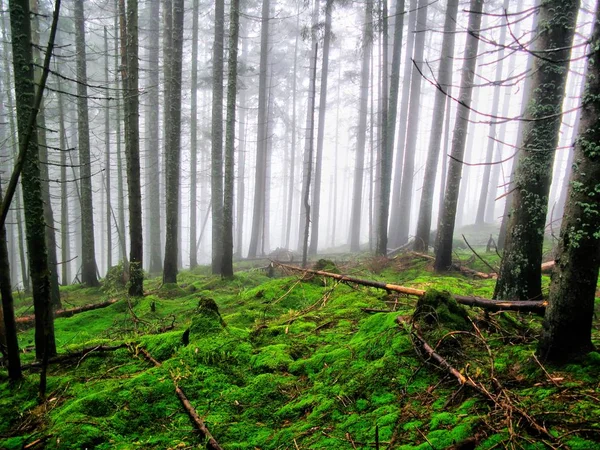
<point>548,266</point>
<point>460,268</point>
<point>25,321</point>
<point>211,443</point>
<point>537,307</point>
<point>74,355</point>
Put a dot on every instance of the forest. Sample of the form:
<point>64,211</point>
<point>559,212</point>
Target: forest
<point>300,224</point>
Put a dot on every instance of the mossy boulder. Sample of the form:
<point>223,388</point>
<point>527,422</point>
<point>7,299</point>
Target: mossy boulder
<point>439,307</point>
<point>207,319</point>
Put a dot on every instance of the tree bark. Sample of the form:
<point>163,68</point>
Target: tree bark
<point>439,118</point>
<point>443,248</point>
<point>519,277</point>
<point>194,137</point>
<point>89,268</point>
<point>173,147</point>
<point>567,328</point>
<point>216,172</point>
<point>234,30</point>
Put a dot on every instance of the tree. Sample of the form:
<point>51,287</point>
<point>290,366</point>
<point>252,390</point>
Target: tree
<point>444,81</point>
<point>45,345</point>
<point>89,269</point>
<point>520,270</point>
<point>567,327</point>
<point>234,29</point>
<point>151,141</point>
<point>443,248</point>
<point>194,137</point>
<point>260,178</point>
<point>107,158</point>
<point>389,123</point>
<point>355,217</point>
<point>129,39</point>
<point>216,171</point>
<point>173,146</point>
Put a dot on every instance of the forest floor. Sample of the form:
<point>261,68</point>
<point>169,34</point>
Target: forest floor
<point>298,361</point>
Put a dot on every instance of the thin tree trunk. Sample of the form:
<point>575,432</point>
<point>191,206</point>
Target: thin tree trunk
<point>234,29</point>
<point>217,138</point>
<point>443,248</point>
<point>356,214</point>
<point>173,147</point>
<point>65,240</point>
<point>194,137</point>
<point>107,177</point>
<point>241,180</point>
<point>520,270</point>
<point>89,268</point>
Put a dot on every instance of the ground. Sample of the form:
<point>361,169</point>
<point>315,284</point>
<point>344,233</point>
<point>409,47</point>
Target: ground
<point>295,362</point>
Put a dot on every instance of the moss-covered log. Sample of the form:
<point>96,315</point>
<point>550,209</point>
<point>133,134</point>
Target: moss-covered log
<point>27,321</point>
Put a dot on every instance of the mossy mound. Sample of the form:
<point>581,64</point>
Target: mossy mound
<point>326,265</point>
<point>207,319</point>
<point>439,307</point>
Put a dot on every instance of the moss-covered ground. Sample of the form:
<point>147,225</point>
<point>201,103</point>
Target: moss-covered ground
<point>296,362</point>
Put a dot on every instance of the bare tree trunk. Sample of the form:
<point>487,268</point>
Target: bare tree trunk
<point>443,248</point>
<point>107,177</point>
<point>520,270</point>
<point>395,213</point>
<point>173,146</point>
<point>567,332</point>
<point>194,137</point>
<point>65,239</point>
<point>241,180</point>
<point>355,217</point>
<point>217,139</point>
<point>261,145</point>
<point>234,29</point>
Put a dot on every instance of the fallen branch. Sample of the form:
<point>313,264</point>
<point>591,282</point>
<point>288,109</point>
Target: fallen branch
<point>548,266</point>
<point>506,405</point>
<point>25,321</point>
<point>211,443</point>
<point>74,355</point>
<point>459,268</point>
<point>537,307</point>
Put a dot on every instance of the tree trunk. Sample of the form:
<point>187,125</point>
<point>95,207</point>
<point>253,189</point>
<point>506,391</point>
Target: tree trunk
<point>395,213</point>
<point>89,269</point>
<point>234,29</point>
<point>152,127</point>
<point>217,139</point>
<point>65,239</point>
<point>261,144</point>
<point>173,146</point>
<point>567,329</point>
<point>356,214</point>
<point>194,137</point>
<point>444,80</point>
<point>241,174</point>
<point>520,270</point>
<point>316,206</point>
<point>443,249</point>
<point>45,345</point>
<point>107,177</point>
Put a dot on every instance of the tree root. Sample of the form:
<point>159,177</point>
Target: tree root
<point>211,443</point>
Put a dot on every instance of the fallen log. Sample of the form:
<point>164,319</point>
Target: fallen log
<point>548,266</point>
<point>211,443</point>
<point>24,321</point>
<point>459,268</point>
<point>537,307</point>
<point>74,355</point>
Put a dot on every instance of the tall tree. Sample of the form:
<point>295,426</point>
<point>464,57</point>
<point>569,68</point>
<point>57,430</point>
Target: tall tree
<point>216,171</point>
<point>443,248</point>
<point>241,175</point>
<point>567,332</point>
<point>107,177</point>
<point>260,179</point>
<point>389,131</point>
<point>45,345</point>
<point>194,137</point>
<point>444,81</point>
<point>89,269</point>
<point>173,146</point>
<point>356,214</point>
<point>520,270</point>
<point>234,29</point>
<point>406,192</point>
<point>316,194</point>
<point>129,39</point>
<point>152,128</point>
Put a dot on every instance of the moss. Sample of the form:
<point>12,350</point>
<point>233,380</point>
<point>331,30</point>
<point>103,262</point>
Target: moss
<point>326,265</point>
<point>272,358</point>
<point>437,307</point>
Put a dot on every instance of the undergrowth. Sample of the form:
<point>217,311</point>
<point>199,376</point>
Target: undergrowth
<point>298,362</point>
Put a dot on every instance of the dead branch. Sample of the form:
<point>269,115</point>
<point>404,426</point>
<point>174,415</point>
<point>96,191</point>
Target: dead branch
<point>477,254</point>
<point>74,355</point>
<point>459,267</point>
<point>211,443</point>
<point>537,307</point>
<point>26,321</point>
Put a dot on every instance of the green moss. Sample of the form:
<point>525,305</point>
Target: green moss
<point>437,307</point>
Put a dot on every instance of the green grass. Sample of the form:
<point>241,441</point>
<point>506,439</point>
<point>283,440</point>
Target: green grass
<point>293,364</point>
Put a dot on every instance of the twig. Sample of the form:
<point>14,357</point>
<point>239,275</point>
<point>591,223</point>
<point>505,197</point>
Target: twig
<point>476,254</point>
